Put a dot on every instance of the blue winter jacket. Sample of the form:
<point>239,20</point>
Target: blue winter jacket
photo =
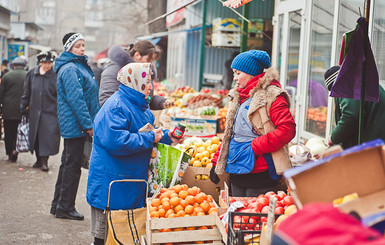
<point>120,152</point>
<point>77,95</point>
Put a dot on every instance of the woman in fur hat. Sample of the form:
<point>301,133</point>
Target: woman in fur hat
<point>248,150</point>
<point>39,102</point>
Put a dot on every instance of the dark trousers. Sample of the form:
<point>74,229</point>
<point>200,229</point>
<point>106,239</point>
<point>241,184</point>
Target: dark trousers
<point>69,174</point>
<point>238,191</point>
<point>10,134</point>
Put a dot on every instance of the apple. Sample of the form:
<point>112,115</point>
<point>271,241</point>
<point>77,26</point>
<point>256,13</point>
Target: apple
<point>288,200</point>
<point>265,210</point>
<point>263,200</point>
<point>279,210</point>
<point>279,204</point>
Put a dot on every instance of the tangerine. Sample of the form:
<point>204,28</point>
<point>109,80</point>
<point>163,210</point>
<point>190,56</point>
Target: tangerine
<point>205,206</point>
<point>178,208</point>
<point>154,214</point>
<point>166,205</point>
<point>190,200</point>
<point>192,191</point>
<point>165,199</point>
<point>189,209</point>
<point>180,213</point>
<point>150,209</point>
<point>174,201</point>
<point>183,203</point>
<point>155,202</point>
<point>183,194</point>
<point>161,212</point>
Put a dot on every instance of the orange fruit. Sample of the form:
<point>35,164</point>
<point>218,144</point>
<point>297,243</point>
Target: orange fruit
<point>173,195</point>
<point>202,228</point>
<point>185,187</point>
<point>196,205</point>
<point>168,212</point>
<point>166,205</point>
<point>150,209</point>
<point>213,210</point>
<point>155,202</point>
<point>199,198</point>
<point>183,194</point>
<point>163,190</point>
<point>178,229</point>
<point>189,209</point>
<point>178,208</point>
<point>183,203</point>
<point>171,216</point>
<point>177,188</point>
<point>165,230</point>
<point>212,204</point>
<point>174,201</point>
<point>191,228</point>
<point>154,214</point>
<point>161,212</point>
<point>164,199</point>
<point>190,200</point>
<point>192,191</point>
<point>201,214</point>
<point>205,206</point>
<point>180,213</point>
<point>198,189</point>
<point>198,210</point>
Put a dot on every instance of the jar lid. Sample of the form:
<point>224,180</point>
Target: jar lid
<point>182,125</point>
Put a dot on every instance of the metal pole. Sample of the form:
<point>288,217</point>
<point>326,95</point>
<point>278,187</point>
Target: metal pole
<point>203,37</point>
<point>245,27</point>
<point>363,78</point>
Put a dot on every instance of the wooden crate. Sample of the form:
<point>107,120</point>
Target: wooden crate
<point>154,236</point>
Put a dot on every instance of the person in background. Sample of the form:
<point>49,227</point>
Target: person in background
<point>347,116</point>
<point>11,90</point>
<point>120,151</point>
<point>77,105</point>
<point>247,151</point>
<point>142,51</point>
<point>4,68</point>
<point>39,103</point>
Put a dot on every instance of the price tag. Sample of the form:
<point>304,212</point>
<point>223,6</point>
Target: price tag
<point>226,197</point>
<point>271,218</point>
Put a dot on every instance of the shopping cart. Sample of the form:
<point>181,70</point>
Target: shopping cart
<point>125,226</point>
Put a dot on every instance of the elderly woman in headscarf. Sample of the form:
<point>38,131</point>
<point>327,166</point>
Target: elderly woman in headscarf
<point>119,150</point>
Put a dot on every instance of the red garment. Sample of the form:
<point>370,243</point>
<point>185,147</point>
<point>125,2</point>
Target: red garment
<point>244,93</point>
<point>285,131</point>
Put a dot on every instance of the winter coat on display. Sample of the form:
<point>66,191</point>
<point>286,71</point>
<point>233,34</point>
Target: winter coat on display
<point>120,151</point>
<point>11,90</point>
<point>267,93</point>
<point>347,120</point>
<point>109,83</point>
<point>40,96</point>
<point>77,95</point>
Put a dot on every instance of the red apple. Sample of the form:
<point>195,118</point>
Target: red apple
<point>288,200</point>
<point>263,200</point>
<point>279,210</point>
<point>265,209</point>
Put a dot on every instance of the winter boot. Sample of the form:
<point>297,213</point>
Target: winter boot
<point>37,164</point>
<point>44,164</point>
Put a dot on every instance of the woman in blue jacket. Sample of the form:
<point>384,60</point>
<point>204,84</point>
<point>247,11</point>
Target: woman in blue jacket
<point>77,105</point>
<point>119,150</point>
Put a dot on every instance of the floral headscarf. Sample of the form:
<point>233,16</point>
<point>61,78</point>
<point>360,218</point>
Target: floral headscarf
<point>135,76</point>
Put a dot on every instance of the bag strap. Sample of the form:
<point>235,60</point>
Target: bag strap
<point>135,240</point>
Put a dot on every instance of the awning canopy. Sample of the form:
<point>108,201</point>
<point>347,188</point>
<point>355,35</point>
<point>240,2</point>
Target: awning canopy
<point>40,47</point>
<point>235,3</point>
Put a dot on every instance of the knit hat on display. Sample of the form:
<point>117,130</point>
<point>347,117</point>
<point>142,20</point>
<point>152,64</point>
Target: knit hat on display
<point>331,76</point>
<point>135,75</point>
<point>45,57</point>
<point>70,39</point>
<point>252,62</point>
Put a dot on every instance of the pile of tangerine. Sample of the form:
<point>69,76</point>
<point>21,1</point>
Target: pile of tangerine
<point>181,201</point>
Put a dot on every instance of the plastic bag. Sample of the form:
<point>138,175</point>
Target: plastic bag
<point>166,168</point>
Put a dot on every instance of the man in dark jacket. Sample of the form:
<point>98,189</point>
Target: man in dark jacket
<point>11,90</point>
<point>347,116</point>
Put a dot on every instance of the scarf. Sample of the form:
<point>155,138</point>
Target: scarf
<point>244,93</point>
<point>134,75</point>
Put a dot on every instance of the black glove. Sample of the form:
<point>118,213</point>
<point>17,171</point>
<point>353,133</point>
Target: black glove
<point>213,176</point>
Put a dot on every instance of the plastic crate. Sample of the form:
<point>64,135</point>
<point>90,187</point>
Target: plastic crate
<point>245,228</point>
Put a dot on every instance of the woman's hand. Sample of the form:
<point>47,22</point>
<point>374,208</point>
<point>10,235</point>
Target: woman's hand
<point>158,134</point>
<point>167,104</point>
<point>175,140</point>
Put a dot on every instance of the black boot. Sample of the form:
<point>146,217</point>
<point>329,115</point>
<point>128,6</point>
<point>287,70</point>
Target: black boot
<point>14,155</point>
<point>37,164</point>
<point>44,164</point>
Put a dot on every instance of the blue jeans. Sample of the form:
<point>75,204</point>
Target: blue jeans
<point>68,178</point>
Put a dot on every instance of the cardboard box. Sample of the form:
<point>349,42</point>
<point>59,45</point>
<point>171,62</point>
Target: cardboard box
<point>359,169</point>
<point>206,186</point>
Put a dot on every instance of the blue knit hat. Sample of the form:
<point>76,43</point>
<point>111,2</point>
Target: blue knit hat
<point>252,62</point>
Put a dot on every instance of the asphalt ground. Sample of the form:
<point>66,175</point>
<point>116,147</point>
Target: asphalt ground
<point>25,200</point>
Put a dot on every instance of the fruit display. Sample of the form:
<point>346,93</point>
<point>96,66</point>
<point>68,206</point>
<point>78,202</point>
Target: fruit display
<point>284,207</point>
<point>201,100</point>
<point>181,201</point>
<point>179,92</point>
<point>201,151</point>
<point>345,199</point>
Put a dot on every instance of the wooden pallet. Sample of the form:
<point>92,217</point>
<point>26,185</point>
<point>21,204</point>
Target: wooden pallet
<point>154,236</point>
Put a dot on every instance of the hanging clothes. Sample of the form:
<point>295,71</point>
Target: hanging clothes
<point>348,82</point>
